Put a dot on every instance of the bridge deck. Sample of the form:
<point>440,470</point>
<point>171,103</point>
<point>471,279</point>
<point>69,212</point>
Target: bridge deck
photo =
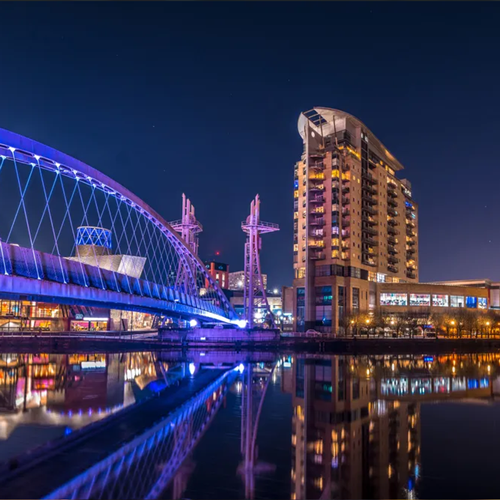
<point>67,461</point>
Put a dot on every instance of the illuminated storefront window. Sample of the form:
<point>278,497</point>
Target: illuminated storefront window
<point>420,299</point>
<point>393,299</point>
<point>440,300</point>
<point>457,301</point>
<point>482,303</point>
<point>471,302</point>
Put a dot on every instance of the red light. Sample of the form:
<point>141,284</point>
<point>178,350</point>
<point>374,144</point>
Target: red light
<point>217,253</point>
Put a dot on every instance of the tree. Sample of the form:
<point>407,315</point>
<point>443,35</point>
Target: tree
<point>440,321</point>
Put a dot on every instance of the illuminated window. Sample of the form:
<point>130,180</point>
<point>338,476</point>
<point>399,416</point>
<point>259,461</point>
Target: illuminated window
<point>420,299</point>
<point>318,446</point>
<point>296,194</point>
<point>482,303</point>
<point>440,300</point>
<point>457,301</point>
<point>471,302</point>
<point>393,299</point>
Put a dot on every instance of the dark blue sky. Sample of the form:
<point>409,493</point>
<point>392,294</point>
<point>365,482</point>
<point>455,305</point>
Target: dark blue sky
<point>203,98</point>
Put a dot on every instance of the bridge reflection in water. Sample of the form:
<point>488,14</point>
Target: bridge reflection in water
<point>355,420</point>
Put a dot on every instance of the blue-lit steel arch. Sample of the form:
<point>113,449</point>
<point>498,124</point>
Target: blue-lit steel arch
<point>28,269</point>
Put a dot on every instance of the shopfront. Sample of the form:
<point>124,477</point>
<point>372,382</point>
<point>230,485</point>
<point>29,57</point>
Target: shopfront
<point>89,324</point>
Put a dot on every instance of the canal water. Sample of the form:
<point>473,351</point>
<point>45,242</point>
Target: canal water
<point>406,426</point>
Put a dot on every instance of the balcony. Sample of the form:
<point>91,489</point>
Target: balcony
<point>316,199</point>
<point>392,269</point>
<point>410,223</point>
<point>366,187</point>
<point>391,240</point>
<point>316,243</point>
<point>369,220</point>
<point>391,202</point>
<point>368,262</point>
<point>369,229</point>
<point>392,250</point>
<point>410,249</point>
<point>317,155</point>
<point>317,210</point>
<point>411,275</point>
<point>367,239</point>
<point>369,209</point>
<point>392,230</point>
<point>368,177</point>
<point>392,222</point>
<point>345,189</point>
<point>346,201</point>
<point>410,232</point>
<point>391,211</point>
<point>346,222</point>
<point>368,198</point>
<point>346,212</point>
<point>317,221</point>
<point>392,259</point>
<point>391,192</point>
<point>409,242</point>
<point>316,254</point>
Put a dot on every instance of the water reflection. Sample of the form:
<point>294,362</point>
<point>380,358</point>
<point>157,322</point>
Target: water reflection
<point>356,420</point>
<point>45,396</point>
<point>343,426</point>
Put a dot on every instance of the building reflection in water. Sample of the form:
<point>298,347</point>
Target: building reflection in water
<point>44,396</point>
<point>356,420</point>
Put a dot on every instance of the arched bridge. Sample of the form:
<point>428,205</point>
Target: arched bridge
<point>71,235</point>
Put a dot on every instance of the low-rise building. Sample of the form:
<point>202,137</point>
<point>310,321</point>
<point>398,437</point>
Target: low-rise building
<point>237,280</point>
<point>424,298</point>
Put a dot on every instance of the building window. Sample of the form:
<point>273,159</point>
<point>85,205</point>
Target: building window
<point>341,303</point>
<point>457,301</point>
<point>355,300</point>
<point>301,306</point>
<point>393,299</point>
<point>440,300</point>
<point>482,303</point>
<point>471,302</point>
<point>420,299</point>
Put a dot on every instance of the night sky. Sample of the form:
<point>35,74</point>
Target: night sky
<point>203,98</point>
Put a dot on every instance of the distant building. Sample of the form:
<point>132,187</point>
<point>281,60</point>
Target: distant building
<point>236,299</point>
<point>236,280</point>
<point>219,272</point>
<point>93,246</point>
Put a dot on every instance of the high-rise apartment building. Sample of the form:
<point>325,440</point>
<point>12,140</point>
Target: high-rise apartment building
<point>355,222</point>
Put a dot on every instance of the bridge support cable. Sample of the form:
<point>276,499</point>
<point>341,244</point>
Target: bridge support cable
<point>73,215</point>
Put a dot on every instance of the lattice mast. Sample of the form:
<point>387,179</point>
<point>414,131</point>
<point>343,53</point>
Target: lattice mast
<point>189,229</point>
<point>254,296</point>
